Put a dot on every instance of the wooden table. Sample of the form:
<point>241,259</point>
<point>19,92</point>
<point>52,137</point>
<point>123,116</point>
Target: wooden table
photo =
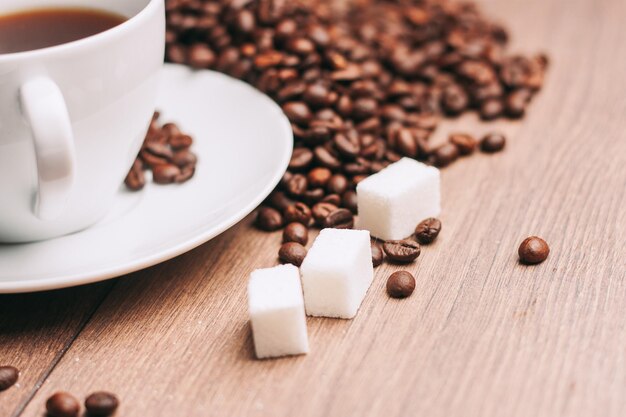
<point>481,336</point>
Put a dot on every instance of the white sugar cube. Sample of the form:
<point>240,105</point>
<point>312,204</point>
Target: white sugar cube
<point>337,273</point>
<point>393,201</point>
<point>277,312</point>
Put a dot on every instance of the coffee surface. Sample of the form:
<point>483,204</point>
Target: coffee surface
<point>41,28</point>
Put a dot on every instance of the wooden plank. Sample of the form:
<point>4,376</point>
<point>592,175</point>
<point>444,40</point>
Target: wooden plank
<point>482,335</point>
<point>36,330</point>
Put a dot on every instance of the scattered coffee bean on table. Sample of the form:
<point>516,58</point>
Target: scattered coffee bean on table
<point>296,232</point>
<point>166,152</point>
<point>377,255</point>
<point>8,377</point>
<point>292,253</point>
<point>533,250</point>
<point>339,219</point>
<point>400,284</point>
<point>466,144</point>
<point>101,404</point>
<point>401,251</point>
<point>363,83</point>
<point>62,404</point>
<point>493,142</point>
<point>269,219</point>
<point>428,230</point>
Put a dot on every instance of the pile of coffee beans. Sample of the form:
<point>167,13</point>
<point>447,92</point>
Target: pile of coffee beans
<point>166,152</point>
<point>97,404</point>
<point>363,82</point>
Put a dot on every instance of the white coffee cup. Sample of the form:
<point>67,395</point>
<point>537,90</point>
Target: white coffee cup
<point>73,117</point>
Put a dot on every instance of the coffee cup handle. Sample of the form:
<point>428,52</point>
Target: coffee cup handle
<point>45,110</point>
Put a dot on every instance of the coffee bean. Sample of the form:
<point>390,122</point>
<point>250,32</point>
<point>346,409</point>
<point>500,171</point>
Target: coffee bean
<point>298,112</point>
<point>296,232</point>
<point>279,201</point>
<point>364,108</point>
<point>428,230</point>
<point>455,100</point>
<point>493,142</point>
<point>339,219</point>
<point>292,253</point>
<point>400,284</point>
<point>269,219</point>
<point>317,95</point>
<point>337,184</point>
<point>401,251</point>
<point>333,199</point>
<point>466,144</point>
<point>136,180</point>
<point>346,146</point>
<point>165,173</point>
<point>62,404</point>
<point>533,250</point>
<point>184,158</point>
<point>377,255</point>
<point>321,210</point>
<point>8,377</point>
<point>445,155</point>
<point>300,158</point>
<point>297,185</point>
<point>298,212</point>
<point>405,143</point>
<point>101,404</point>
<point>185,174</point>
<point>178,142</point>
<point>201,56</point>
<point>516,103</point>
<point>491,109</point>
<point>325,158</point>
<point>349,201</point>
<point>319,177</point>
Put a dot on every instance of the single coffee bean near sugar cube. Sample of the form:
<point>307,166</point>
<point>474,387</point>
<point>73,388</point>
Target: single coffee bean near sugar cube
<point>337,272</point>
<point>392,201</point>
<point>276,311</point>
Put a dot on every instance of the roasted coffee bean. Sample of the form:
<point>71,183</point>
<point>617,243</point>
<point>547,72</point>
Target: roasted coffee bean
<point>313,196</point>
<point>185,174</point>
<point>326,158</point>
<point>533,250</point>
<point>337,184</point>
<point>400,284</point>
<point>401,251</point>
<point>346,146</point>
<point>279,201</point>
<point>454,100</point>
<point>319,177</point>
<point>296,232</point>
<point>136,180</point>
<point>364,108</point>
<point>428,230</point>
<point>349,201</point>
<point>200,56</point>
<point>101,404</point>
<point>178,142</point>
<point>445,155</point>
<point>491,109</point>
<point>298,112</point>
<point>377,255</point>
<point>334,199</point>
<point>184,158</point>
<point>317,95</point>
<point>321,210</point>
<point>62,404</point>
<point>466,144</point>
<point>300,158</point>
<point>339,219</point>
<point>297,185</point>
<point>516,103</point>
<point>269,219</point>
<point>292,253</point>
<point>492,142</point>
<point>298,212</point>
<point>165,173</point>
<point>8,377</point>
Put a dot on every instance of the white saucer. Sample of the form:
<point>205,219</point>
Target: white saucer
<point>243,142</point>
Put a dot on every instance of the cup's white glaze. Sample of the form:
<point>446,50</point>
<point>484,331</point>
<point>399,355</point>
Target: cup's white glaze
<point>108,84</point>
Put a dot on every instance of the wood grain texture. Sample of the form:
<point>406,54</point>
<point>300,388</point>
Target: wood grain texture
<point>481,336</point>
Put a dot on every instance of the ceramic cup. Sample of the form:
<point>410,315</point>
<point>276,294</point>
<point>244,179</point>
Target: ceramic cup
<point>73,117</point>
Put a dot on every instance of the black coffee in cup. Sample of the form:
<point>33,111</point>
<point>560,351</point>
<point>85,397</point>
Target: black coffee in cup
<point>41,28</point>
